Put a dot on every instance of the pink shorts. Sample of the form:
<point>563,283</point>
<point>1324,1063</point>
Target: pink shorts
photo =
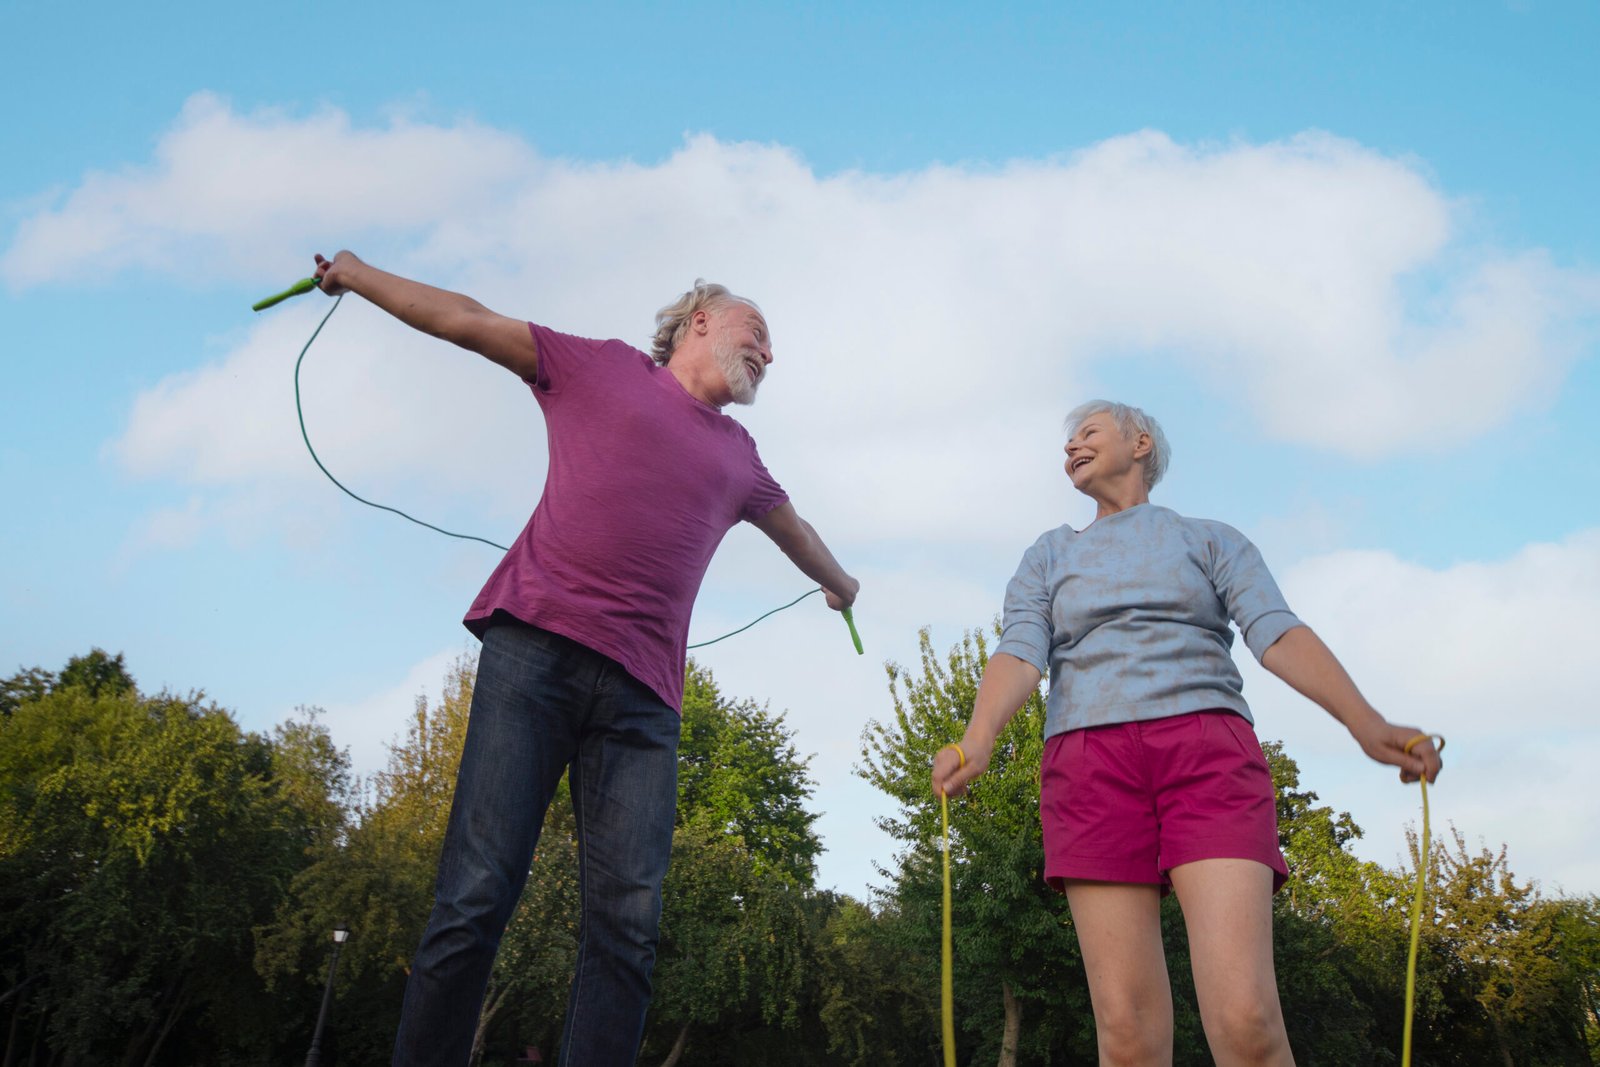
<point>1131,801</point>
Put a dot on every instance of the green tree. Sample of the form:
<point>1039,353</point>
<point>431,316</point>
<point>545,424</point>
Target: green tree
<point>1499,952</point>
<point>1019,982</point>
<point>29,683</point>
<point>97,673</point>
<point>736,950</point>
<point>1332,928</point>
<point>1576,924</point>
<point>734,944</point>
<point>375,875</point>
<point>874,998</point>
<point>140,840</point>
<point>743,863</point>
<point>739,770</point>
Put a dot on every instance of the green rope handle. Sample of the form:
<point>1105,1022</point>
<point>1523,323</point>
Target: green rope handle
<point>850,621</point>
<point>304,285</point>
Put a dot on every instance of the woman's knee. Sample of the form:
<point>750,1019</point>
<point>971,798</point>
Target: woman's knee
<point>1249,1028</point>
<point>1134,1031</point>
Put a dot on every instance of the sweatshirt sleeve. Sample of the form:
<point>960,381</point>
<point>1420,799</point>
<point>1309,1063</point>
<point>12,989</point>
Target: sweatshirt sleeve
<point>1025,628</point>
<point>1253,599</point>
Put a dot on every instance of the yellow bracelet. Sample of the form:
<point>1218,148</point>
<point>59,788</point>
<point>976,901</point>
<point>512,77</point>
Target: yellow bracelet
<point>959,752</point>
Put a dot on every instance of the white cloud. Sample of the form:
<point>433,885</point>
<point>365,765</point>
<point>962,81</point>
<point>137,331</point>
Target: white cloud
<point>930,327</point>
<point>1498,658</point>
<point>384,408</point>
<point>230,194</point>
<point>919,317</point>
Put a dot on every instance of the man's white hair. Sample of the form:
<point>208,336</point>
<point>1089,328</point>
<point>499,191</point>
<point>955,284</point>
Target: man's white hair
<point>672,321</point>
<point>1131,422</point>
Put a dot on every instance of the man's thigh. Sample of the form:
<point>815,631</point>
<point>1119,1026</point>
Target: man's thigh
<point>625,784</point>
<point>529,700</point>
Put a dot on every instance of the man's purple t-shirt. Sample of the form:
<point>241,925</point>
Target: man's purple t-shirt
<point>644,482</point>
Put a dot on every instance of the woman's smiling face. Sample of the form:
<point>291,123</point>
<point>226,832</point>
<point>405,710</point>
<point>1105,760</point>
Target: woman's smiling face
<point>1100,452</point>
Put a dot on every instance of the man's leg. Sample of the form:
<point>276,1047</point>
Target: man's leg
<point>1119,931</point>
<point>1227,907</point>
<point>528,702</point>
<point>624,793</point>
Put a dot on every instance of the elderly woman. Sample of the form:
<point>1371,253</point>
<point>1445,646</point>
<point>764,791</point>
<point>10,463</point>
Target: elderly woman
<point>1152,777</point>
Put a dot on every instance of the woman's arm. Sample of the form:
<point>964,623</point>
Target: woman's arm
<point>1301,659</point>
<point>1007,683</point>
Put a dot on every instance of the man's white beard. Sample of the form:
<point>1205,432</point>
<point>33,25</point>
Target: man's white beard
<point>735,371</point>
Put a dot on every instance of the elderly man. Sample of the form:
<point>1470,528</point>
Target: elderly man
<point>584,625</point>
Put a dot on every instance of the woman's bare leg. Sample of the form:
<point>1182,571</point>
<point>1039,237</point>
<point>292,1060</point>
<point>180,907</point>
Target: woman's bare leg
<point>1119,930</point>
<point>1227,907</point>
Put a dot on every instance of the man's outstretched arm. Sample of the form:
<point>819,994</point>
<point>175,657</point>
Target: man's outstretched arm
<point>806,550</point>
<point>448,316</point>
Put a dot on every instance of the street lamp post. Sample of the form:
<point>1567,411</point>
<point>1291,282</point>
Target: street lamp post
<point>341,933</point>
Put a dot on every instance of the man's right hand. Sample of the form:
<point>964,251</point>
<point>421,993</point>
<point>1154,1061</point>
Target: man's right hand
<point>331,272</point>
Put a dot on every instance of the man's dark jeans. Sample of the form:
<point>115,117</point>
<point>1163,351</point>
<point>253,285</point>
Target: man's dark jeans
<point>542,702</point>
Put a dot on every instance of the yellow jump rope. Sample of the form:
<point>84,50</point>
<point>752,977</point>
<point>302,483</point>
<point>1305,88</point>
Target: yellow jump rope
<point>1416,904</point>
<point>947,999</point>
<point>946,953</point>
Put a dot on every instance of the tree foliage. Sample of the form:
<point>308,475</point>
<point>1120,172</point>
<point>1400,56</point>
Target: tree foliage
<point>740,773</point>
<point>94,672</point>
<point>141,839</point>
<point>168,883</point>
<point>735,949</point>
<point>376,878</point>
<point>1017,956</point>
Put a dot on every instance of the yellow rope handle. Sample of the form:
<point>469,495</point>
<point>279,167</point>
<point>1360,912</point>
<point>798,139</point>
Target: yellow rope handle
<point>1416,904</point>
<point>947,998</point>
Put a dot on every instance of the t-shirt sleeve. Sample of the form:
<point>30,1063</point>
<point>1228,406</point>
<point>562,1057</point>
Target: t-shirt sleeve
<point>561,355</point>
<point>765,492</point>
<point>1025,630</point>
<point>1253,599</point>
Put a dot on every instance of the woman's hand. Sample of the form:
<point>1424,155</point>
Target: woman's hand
<point>1386,742</point>
<point>1006,685</point>
<point>951,773</point>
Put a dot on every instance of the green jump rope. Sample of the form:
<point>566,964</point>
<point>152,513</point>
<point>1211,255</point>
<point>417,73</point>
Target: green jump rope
<point>305,285</point>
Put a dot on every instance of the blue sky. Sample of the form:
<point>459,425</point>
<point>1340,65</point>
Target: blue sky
<point>1347,256</point>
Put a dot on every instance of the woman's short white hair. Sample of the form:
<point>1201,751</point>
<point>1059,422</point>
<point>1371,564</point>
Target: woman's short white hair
<point>672,321</point>
<point>1131,422</point>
